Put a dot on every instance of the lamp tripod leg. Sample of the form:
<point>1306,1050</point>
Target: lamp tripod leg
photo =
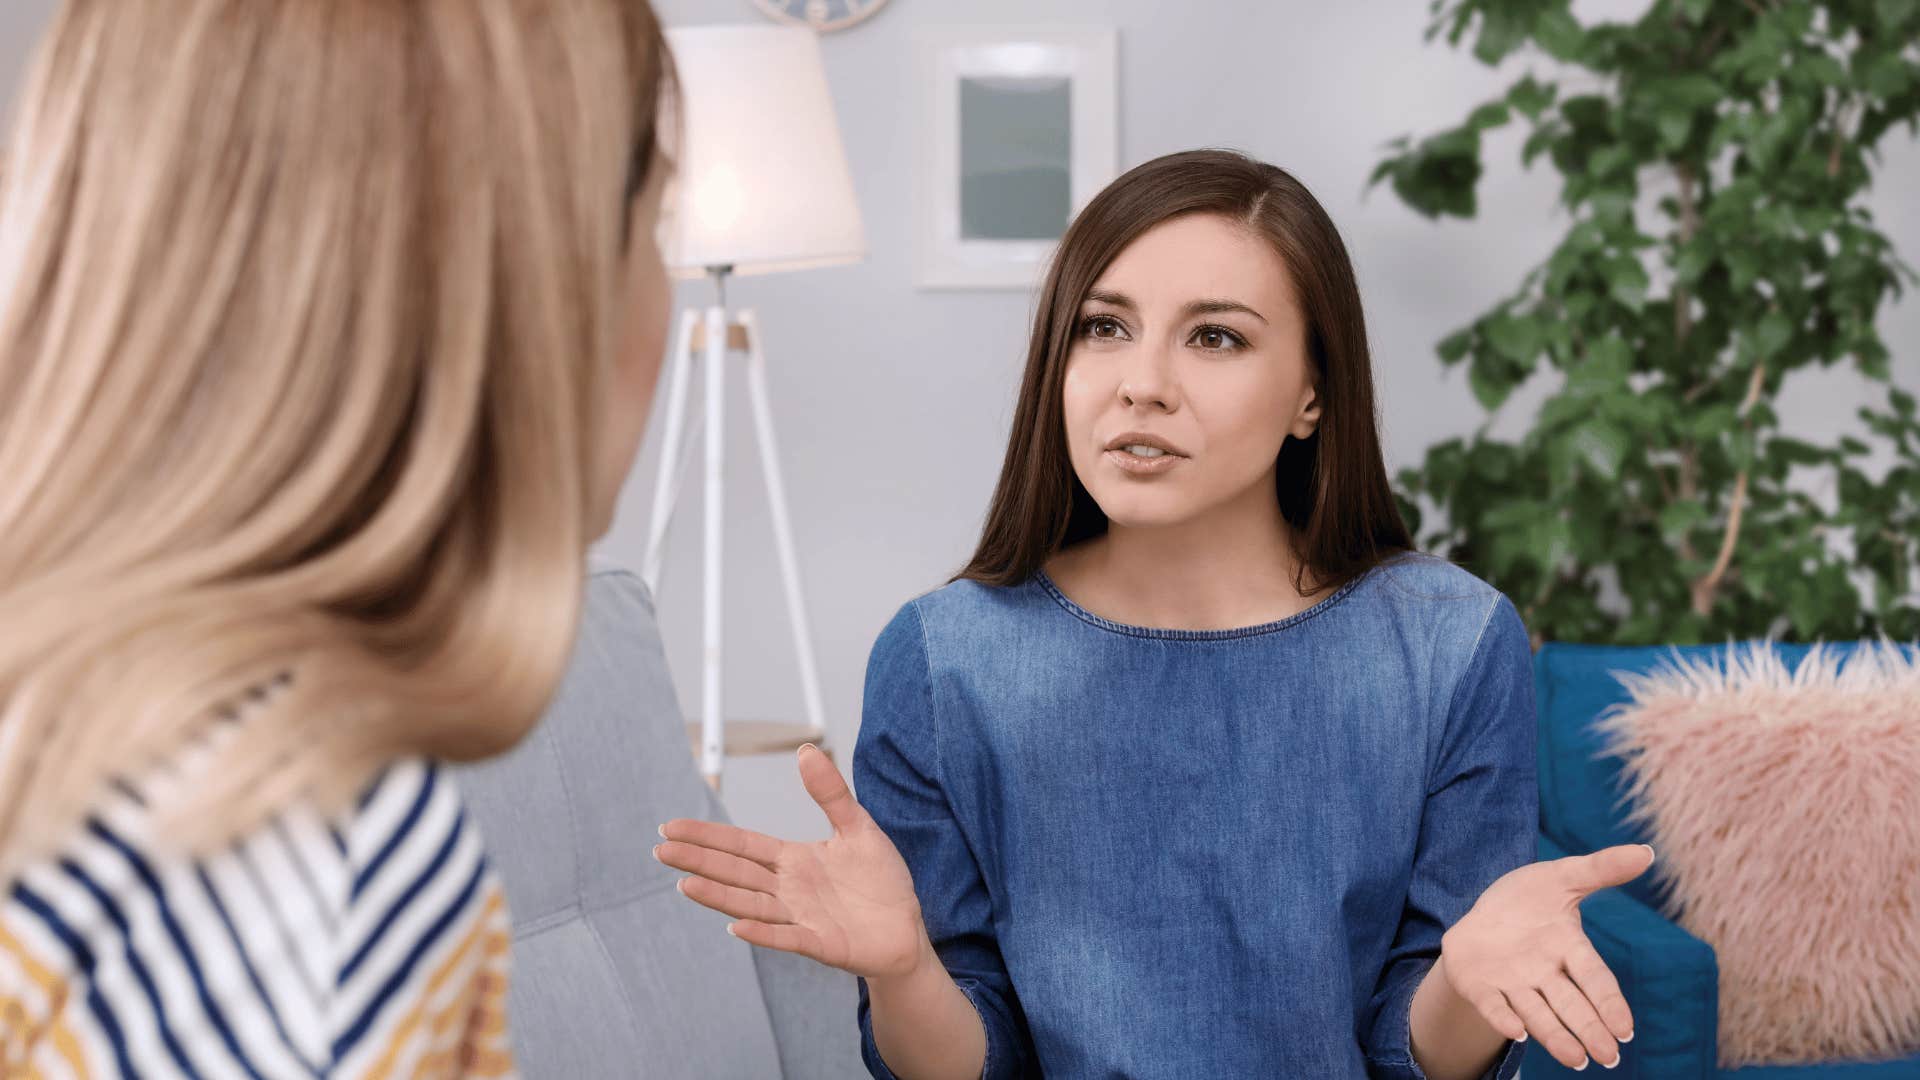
<point>666,487</point>
<point>783,528</point>
<point>712,740</point>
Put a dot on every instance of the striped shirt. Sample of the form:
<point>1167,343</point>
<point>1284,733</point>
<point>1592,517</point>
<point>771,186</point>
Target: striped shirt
<point>373,944</point>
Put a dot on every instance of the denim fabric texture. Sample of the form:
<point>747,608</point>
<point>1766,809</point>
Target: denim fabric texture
<point>1154,853</point>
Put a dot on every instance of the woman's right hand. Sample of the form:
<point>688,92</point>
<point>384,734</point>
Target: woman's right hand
<point>847,902</point>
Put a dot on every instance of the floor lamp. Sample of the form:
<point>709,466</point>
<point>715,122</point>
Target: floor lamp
<point>762,186</point>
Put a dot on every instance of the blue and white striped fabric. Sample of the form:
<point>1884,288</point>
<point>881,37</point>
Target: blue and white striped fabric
<point>372,945</point>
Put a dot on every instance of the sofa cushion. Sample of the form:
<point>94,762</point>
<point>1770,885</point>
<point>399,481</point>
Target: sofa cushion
<point>1784,806</point>
<point>1581,793</point>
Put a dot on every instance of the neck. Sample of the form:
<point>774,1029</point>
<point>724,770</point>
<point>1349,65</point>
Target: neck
<point>1229,568</point>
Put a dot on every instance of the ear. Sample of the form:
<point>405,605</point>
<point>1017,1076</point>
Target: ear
<point>1307,420</point>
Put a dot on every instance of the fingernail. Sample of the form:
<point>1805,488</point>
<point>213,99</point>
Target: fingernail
<point>1650,852</point>
<point>804,747</point>
<point>1614,1064</point>
<point>662,830</point>
<point>680,886</point>
<point>1582,1067</point>
<point>1629,1038</point>
<point>1522,1038</point>
<point>730,930</point>
<point>656,853</point>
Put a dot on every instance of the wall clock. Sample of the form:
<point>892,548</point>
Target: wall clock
<point>822,15</point>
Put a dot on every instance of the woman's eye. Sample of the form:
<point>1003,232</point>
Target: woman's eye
<point>1217,338</point>
<point>1100,326</point>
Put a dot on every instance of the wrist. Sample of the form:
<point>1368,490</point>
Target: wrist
<point>1446,1034</point>
<point>913,970</point>
<point>1446,1000</point>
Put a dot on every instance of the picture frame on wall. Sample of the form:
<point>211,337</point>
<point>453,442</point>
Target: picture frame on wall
<point>1019,129</point>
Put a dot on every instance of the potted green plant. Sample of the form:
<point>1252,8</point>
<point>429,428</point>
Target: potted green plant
<point>1713,163</point>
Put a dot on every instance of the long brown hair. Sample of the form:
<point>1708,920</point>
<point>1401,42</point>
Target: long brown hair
<point>1333,487</point>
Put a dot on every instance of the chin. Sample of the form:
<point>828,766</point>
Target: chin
<point>1141,509</point>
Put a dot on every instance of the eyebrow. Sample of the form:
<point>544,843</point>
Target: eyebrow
<point>1197,307</point>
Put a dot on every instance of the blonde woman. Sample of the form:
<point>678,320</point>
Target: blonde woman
<point>327,332</point>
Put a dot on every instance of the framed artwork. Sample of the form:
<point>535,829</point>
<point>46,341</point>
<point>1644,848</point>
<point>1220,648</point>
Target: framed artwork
<point>1018,131</point>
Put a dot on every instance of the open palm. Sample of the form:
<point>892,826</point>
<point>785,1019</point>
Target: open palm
<point>1522,958</point>
<point>846,901</point>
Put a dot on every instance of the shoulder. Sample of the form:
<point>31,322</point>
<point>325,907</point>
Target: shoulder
<point>959,610</point>
<point>309,939</point>
<point>1416,576</point>
<point>146,954</point>
<point>425,936</point>
<point>966,599</point>
<point>1442,612</point>
<point>1439,595</point>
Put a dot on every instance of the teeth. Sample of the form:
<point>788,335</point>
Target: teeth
<point>1144,451</point>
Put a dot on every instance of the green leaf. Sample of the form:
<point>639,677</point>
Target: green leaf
<point>1680,515</point>
<point>1454,346</point>
<point>1873,361</point>
<point>1740,448</point>
<point>1552,540</point>
<point>1778,132</point>
<point>1712,422</point>
<point>1560,34</point>
<point>1819,69</point>
<point>1513,514</point>
<point>1516,338</point>
<point>1674,124</point>
<point>1691,263</point>
<point>1771,335</point>
<point>1603,444</point>
<point>1563,466</point>
<point>1613,206</point>
<point>1531,97</point>
<point>1743,267</point>
<point>1903,402</point>
<point>1692,91</point>
<point>1500,34</point>
<point>1795,452</point>
<point>1538,143</point>
<point>1610,160</point>
<point>1896,13</point>
<point>1491,388</point>
<point>1626,281</point>
<point>1437,178</point>
<point>1605,368</point>
<point>1489,116</point>
<point>1885,75</point>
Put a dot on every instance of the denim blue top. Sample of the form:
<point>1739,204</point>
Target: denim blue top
<point>1173,853</point>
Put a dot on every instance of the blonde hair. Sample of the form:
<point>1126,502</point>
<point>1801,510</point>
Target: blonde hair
<point>304,309</point>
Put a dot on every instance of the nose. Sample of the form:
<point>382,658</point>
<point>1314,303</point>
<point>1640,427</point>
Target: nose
<point>1149,383</point>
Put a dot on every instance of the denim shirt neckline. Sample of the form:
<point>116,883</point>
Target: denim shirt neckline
<point>1166,633</point>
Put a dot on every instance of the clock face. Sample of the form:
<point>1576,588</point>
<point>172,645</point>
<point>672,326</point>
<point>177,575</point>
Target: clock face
<point>820,14</point>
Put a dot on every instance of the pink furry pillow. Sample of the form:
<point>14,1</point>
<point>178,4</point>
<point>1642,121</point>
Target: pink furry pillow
<point>1785,811</point>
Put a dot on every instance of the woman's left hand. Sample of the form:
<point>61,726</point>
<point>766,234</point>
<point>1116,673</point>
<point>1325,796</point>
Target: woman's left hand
<point>1521,959</point>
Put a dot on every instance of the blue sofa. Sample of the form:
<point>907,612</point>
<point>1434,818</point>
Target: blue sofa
<point>1669,976</point>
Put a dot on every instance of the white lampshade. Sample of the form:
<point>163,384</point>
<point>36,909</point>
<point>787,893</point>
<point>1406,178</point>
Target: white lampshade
<point>763,183</point>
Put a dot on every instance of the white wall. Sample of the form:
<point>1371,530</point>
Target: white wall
<point>893,404</point>
<point>20,22</point>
